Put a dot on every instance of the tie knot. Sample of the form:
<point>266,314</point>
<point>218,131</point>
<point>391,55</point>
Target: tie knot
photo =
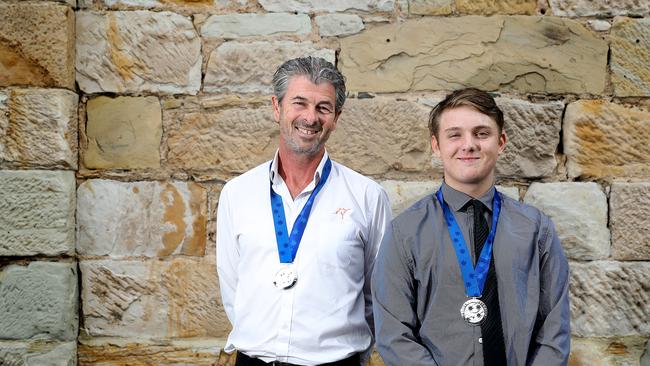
<point>478,206</point>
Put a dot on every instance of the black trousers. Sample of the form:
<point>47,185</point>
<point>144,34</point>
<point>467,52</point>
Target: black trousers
<point>243,360</point>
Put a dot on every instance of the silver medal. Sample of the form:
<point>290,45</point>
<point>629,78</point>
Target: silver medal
<point>474,311</point>
<point>285,278</point>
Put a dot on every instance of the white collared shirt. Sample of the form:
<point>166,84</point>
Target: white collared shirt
<point>327,315</point>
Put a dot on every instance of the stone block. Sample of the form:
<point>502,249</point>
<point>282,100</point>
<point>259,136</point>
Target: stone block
<point>151,219</point>
<point>152,299</point>
<point>629,219</point>
<point>404,194</point>
<point>533,135</point>
<point>610,298</point>
<point>123,133</point>
<point>249,67</point>
<point>36,212</point>
<point>579,212</point>
<point>246,25</point>
<point>630,51</point>
<point>430,7</point>
<point>383,136</point>
<point>603,139</point>
<point>526,54</point>
<point>137,51</point>
<point>613,351</point>
<point>37,44</point>
<point>38,353</point>
<point>38,128</point>
<point>307,6</point>
<point>119,352</point>
<point>600,8</point>
<point>339,24</point>
<point>39,300</point>
<point>179,6</point>
<point>490,7</point>
<point>225,142</point>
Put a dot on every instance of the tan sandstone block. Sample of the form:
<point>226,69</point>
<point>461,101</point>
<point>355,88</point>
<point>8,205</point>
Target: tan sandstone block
<point>249,67</point>
<point>516,53</point>
<point>38,128</point>
<point>152,219</point>
<point>123,133</point>
<point>610,298</point>
<point>152,299</point>
<point>38,353</point>
<point>600,8</point>
<point>630,52</point>
<point>225,141</point>
<point>37,212</point>
<point>37,44</point>
<point>430,7</point>
<point>603,139</point>
<point>613,351</point>
<point>488,7</point>
<point>135,51</point>
<point>629,219</point>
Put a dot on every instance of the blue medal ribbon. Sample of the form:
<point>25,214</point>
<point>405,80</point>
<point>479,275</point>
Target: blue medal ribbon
<point>288,244</point>
<point>473,277</point>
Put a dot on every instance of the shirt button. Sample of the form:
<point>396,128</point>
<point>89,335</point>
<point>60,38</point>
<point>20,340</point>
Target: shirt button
<point>480,340</point>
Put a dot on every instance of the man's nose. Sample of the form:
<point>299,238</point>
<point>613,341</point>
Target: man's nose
<point>311,115</point>
<point>469,142</point>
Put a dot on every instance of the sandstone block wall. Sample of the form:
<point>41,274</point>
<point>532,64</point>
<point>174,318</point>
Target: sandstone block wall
<point>120,121</point>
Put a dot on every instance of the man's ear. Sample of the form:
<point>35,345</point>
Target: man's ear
<point>502,141</point>
<point>434,146</point>
<point>276,108</point>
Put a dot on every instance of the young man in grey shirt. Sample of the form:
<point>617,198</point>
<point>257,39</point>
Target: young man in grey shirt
<point>468,276</point>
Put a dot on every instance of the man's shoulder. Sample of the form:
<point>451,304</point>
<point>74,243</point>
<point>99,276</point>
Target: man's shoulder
<point>523,212</point>
<point>246,180</point>
<point>417,211</point>
<point>356,179</point>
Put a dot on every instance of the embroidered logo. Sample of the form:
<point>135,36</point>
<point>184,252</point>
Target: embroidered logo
<point>342,211</point>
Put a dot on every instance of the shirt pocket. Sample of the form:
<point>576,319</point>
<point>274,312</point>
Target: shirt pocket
<point>339,243</point>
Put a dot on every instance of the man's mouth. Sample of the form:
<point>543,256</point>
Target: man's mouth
<point>468,159</point>
<point>306,131</point>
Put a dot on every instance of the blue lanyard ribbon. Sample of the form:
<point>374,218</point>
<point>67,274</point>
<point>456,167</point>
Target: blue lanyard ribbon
<point>288,244</point>
<point>473,277</point>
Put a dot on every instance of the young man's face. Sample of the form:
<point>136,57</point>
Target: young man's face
<point>306,116</point>
<point>468,144</point>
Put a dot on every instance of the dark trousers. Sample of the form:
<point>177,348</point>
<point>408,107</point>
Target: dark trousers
<point>243,360</point>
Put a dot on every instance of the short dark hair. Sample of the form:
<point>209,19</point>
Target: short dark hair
<point>317,69</point>
<point>471,97</point>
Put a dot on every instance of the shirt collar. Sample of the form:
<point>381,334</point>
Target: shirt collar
<point>457,199</point>
<point>274,176</point>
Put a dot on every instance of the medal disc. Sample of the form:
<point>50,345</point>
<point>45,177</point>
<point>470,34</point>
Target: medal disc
<point>474,311</point>
<point>285,278</point>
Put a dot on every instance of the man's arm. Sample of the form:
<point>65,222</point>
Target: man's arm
<point>394,305</point>
<point>552,343</point>
<point>227,255</point>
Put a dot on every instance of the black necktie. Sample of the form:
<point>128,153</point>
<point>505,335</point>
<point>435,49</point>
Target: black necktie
<point>494,353</point>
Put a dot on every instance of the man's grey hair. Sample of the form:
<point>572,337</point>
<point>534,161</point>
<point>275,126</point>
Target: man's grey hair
<point>317,69</point>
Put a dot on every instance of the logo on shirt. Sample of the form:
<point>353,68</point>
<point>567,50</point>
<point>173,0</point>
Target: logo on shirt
<point>342,212</point>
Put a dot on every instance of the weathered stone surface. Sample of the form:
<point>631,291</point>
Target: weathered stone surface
<point>606,351</point>
<point>579,212</point>
<point>339,24</point>
<point>599,25</point>
<point>489,7</point>
<point>525,54</point>
<point>306,6</point>
<point>604,139</point>
<point>152,299</point>
<point>533,132</point>
<point>225,142</point>
<point>430,7</point>
<point>38,353</point>
<point>38,128</point>
<point>244,25</point>
<point>629,217</point>
<point>136,51</point>
<point>177,5</point>
<point>383,136</point>
<point>249,67</point>
<point>39,300</point>
<point>36,212</point>
<point>37,44</point>
<point>603,8</point>
<point>119,352</point>
<point>630,50</point>
<point>141,218</point>
<point>123,133</point>
<point>618,289</point>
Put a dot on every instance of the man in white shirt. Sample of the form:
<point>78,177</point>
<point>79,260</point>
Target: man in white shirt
<point>297,236</point>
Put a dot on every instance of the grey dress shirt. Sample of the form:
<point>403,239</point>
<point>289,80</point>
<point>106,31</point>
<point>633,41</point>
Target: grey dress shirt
<point>418,287</point>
